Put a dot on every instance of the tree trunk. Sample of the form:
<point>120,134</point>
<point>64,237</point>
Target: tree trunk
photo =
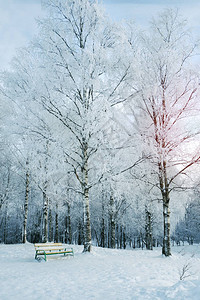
<point>5,224</point>
<point>103,226</point>
<point>134,243</point>
<point>24,238</point>
<point>80,233</point>
<point>68,227</point>
<point>45,197</point>
<point>148,230</point>
<point>112,223</point>
<point>45,216</point>
<point>166,249</point>
<point>50,225</point>
<point>69,224</point>
<point>56,224</point>
<point>87,226</point>
<point>164,187</point>
<point>124,237</point>
<point>120,237</point>
<point>103,232</point>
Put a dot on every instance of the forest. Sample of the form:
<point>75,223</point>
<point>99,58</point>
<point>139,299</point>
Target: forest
<point>99,128</point>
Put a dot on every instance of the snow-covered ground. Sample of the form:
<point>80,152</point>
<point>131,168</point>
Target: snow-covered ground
<point>103,274</point>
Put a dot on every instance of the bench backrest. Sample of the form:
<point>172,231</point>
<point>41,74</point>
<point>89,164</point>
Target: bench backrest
<point>48,245</point>
<point>45,246</point>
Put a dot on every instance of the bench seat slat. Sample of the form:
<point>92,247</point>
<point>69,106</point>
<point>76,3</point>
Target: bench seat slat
<point>49,253</point>
<point>49,249</point>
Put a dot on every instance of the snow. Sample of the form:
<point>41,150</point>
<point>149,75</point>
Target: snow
<point>103,274</point>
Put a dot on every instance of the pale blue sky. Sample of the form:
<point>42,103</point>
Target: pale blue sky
<point>18,26</point>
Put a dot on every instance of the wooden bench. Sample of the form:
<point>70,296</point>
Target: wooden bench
<point>46,249</point>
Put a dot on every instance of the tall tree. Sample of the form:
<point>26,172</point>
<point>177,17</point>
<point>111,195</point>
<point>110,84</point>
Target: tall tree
<point>76,50</point>
<point>168,95</point>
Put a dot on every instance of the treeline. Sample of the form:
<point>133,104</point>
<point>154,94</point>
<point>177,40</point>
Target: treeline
<point>187,229</point>
<point>133,226</point>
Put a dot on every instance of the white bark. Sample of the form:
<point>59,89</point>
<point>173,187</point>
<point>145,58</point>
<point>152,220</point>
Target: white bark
<point>24,238</point>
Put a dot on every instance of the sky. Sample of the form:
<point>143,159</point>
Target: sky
<point>18,19</point>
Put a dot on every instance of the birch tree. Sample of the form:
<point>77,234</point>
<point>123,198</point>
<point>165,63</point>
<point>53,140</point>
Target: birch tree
<point>78,50</point>
<point>168,99</point>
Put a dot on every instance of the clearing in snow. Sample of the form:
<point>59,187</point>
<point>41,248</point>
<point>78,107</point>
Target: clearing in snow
<point>104,274</point>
